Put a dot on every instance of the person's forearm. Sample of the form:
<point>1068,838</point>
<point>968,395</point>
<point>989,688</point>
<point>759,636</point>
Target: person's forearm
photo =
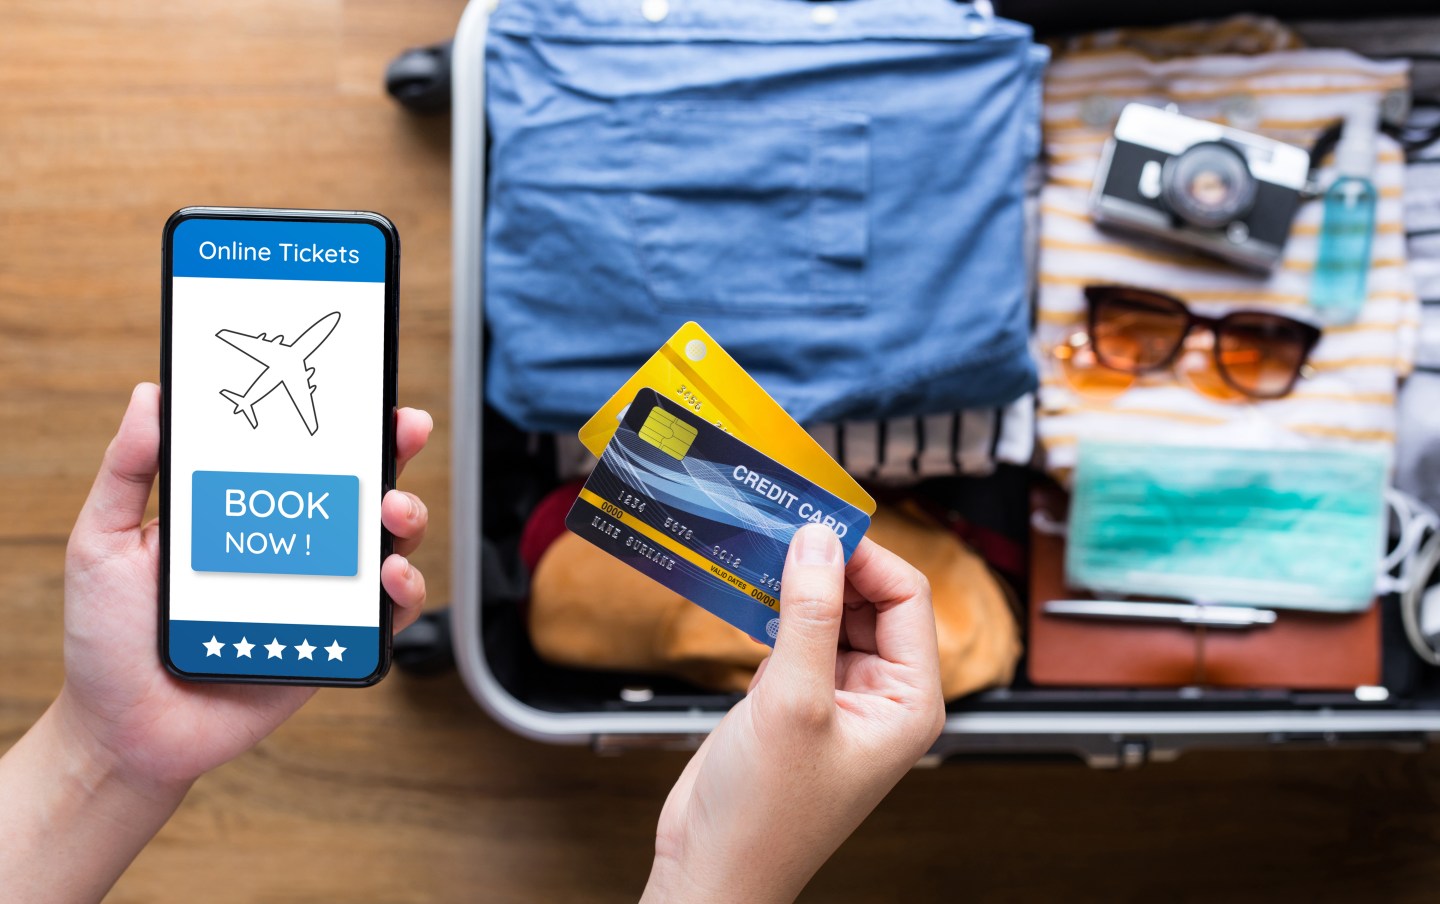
<point>674,882</point>
<point>671,883</point>
<point>69,822</point>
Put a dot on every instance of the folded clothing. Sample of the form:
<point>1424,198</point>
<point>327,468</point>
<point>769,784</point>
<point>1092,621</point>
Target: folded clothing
<point>835,192</point>
<point>896,451</point>
<point>1417,455</point>
<point>899,451</point>
<point>1300,651</point>
<point>587,609</point>
<point>1250,73</point>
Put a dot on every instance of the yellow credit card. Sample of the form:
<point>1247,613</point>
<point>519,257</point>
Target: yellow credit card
<point>692,370</point>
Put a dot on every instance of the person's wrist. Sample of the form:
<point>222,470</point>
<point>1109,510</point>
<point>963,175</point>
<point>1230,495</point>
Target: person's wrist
<point>682,880</point>
<point>673,882</point>
<point>73,818</point>
<point>96,768</point>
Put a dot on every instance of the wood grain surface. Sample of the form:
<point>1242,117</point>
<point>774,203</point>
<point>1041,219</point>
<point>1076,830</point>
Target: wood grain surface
<point>115,112</point>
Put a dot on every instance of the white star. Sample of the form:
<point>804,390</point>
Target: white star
<point>213,646</point>
<point>336,651</point>
<point>305,651</point>
<point>243,648</point>
<point>275,647</point>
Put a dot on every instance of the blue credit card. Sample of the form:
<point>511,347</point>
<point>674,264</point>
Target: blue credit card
<point>691,506</point>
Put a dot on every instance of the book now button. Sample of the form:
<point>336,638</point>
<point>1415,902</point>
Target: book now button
<point>265,523</point>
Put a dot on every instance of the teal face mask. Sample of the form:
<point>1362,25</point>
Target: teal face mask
<point>1299,529</point>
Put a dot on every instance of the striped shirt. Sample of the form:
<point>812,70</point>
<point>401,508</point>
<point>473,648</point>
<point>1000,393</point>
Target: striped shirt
<point>1249,73</point>
<point>895,451</point>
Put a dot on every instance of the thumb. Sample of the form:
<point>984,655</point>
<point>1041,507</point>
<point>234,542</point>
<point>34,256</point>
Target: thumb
<point>122,488</point>
<point>802,669</point>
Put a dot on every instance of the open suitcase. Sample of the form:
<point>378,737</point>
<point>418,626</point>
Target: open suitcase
<point>498,472</point>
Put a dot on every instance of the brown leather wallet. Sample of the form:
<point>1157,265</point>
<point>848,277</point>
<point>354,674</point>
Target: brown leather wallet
<point>1300,651</point>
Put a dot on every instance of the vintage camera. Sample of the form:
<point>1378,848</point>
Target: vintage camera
<point>1220,190</point>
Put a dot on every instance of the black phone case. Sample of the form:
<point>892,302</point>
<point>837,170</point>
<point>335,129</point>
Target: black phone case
<point>387,413</point>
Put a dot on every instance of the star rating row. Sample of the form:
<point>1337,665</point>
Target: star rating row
<point>275,649</point>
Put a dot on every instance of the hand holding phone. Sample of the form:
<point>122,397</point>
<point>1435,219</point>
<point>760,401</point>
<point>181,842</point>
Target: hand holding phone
<point>118,702</point>
<point>108,762</point>
<point>277,445</point>
<point>88,785</point>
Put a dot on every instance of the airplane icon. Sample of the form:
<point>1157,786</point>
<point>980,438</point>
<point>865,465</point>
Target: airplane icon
<point>285,365</point>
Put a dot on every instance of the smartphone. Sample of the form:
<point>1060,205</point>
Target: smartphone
<point>277,375</point>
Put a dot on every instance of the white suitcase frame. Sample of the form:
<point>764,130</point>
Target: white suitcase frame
<point>1102,738</point>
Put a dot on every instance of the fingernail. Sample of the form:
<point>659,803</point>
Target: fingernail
<point>414,506</point>
<point>409,569</point>
<point>816,544</point>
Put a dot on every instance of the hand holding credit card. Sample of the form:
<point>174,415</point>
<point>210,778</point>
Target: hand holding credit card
<point>704,509</point>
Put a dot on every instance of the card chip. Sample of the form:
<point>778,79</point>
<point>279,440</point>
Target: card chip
<point>667,433</point>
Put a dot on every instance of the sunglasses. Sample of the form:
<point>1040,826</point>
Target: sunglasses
<point>1137,331</point>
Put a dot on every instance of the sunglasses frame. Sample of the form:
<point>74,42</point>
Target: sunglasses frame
<point>1096,295</point>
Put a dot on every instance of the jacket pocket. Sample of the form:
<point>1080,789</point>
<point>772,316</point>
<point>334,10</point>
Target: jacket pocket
<point>738,207</point>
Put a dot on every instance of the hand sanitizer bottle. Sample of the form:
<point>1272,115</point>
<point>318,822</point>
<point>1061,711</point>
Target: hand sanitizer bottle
<point>1337,290</point>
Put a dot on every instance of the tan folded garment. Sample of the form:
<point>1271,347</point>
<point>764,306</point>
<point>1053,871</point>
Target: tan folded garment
<point>589,610</point>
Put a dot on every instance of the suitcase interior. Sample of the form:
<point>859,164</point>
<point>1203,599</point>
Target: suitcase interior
<point>517,473</point>
<point>515,470</point>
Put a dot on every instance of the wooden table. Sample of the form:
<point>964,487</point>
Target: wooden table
<point>113,114</point>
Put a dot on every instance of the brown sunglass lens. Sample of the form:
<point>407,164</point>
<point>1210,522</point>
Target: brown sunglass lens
<point>1261,353</point>
<point>1136,332</point>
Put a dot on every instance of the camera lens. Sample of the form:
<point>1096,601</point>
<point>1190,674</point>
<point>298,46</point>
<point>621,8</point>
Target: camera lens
<point>1208,185</point>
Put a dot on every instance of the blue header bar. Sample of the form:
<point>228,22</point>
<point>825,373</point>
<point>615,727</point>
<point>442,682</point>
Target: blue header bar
<point>279,249</point>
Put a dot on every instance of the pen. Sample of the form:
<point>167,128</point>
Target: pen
<point>1182,613</point>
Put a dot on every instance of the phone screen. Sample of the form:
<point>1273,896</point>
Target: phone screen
<point>278,417</point>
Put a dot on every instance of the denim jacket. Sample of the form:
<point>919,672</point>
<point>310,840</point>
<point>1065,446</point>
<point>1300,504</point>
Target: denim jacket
<point>834,191</point>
